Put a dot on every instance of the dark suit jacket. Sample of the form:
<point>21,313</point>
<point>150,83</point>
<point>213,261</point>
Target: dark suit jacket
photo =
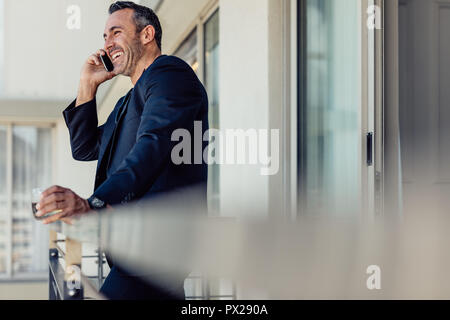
<point>134,154</point>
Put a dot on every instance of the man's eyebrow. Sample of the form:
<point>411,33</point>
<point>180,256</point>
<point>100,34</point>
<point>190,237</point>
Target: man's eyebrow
<point>111,29</point>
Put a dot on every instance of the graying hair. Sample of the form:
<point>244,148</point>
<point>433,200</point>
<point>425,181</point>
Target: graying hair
<point>143,16</point>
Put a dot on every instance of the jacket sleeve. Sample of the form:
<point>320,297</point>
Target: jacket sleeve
<point>85,135</point>
<point>173,100</point>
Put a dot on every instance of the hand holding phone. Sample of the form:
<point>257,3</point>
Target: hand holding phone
<point>97,69</point>
<point>107,63</point>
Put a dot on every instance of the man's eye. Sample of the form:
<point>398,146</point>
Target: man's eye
<point>116,33</point>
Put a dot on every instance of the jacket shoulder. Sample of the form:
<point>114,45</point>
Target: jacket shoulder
<point>166,66</point>
<point>169,61</point>
<point>168,70</point>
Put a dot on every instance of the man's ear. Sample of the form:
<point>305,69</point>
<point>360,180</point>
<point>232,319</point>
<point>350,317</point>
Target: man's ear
<point>148,34</point>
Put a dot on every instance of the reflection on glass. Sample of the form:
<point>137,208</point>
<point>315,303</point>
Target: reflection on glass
<point>330,108</point>
<point>2,199</point>
<point>32,160</point>
<point>212,87</point>
<point>188,50</point>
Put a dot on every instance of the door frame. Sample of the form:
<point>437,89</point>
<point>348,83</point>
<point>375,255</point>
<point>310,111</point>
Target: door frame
<point>375,90</point>
<point>392,172</point>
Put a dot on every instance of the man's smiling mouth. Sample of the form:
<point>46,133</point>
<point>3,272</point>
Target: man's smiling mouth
<point>116,55</point>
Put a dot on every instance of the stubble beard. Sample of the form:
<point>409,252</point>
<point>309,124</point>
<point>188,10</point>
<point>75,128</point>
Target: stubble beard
<point>136,53</point>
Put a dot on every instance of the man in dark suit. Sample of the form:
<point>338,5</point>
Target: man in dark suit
<point>133,147</point>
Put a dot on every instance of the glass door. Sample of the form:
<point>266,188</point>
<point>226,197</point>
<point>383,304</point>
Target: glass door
<point>334,109</point>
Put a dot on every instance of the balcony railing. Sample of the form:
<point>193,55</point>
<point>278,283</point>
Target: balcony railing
<point>66,281</point>
<point>124,232</point>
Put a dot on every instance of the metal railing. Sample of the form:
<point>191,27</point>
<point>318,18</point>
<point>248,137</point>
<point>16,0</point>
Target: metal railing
<point>66,281</point>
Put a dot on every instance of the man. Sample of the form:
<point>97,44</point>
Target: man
<point>133,147</point>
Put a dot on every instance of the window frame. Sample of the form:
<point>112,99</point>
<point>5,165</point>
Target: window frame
<point>9,276</point>
<point>198,26</point>
<point>198,23</point>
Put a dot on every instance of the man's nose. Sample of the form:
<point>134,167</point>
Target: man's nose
<point>108,44</point>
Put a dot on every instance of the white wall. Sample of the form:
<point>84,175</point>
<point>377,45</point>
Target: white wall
<point>43,58</point>
<point>244,97</point>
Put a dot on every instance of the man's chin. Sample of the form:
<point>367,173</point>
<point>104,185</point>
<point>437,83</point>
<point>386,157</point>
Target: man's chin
<point>122,72</point>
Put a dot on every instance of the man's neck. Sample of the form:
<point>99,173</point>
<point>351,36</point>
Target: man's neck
<point>145,62</point>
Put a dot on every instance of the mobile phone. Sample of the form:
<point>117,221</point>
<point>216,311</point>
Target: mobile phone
<point>107,62</point>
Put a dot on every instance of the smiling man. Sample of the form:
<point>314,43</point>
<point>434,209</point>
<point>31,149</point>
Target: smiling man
<point>133,147</point>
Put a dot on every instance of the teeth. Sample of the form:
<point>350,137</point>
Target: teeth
<point>116,55</point>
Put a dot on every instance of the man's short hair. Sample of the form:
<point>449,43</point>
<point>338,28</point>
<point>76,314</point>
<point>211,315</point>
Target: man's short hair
<point>143,16</point>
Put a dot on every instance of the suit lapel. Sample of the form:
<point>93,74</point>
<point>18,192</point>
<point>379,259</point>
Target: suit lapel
<point>123,108</point>
<point>106,138</point>
<point>111,125</point>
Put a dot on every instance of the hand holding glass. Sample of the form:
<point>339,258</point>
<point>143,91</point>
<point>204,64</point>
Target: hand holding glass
<point>35,198</point>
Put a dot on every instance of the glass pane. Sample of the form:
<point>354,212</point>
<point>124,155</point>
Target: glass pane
<point>212,87</point>
<point>32,159</point>
<point>188,50</point>
<point>212,67</point>
<point>2,199</point>
<point>330,125</point>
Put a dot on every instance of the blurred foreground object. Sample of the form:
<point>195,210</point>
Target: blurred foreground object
<point>310,258</point>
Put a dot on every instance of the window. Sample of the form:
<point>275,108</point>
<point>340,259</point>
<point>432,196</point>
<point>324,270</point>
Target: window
<point>25,163</point>
<point>211,76</point>
<point>200,49</point>
<point>329,114</point>
<point>188,50</point>
<point>207,31</point>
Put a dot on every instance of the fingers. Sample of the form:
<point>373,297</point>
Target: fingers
<point>53,197</point>
<point>51,207</point>
<point>54,218</point>
<point>67,215</point>
<point>51,190</point>
<point>94,59</point>
<point>63,203</point>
